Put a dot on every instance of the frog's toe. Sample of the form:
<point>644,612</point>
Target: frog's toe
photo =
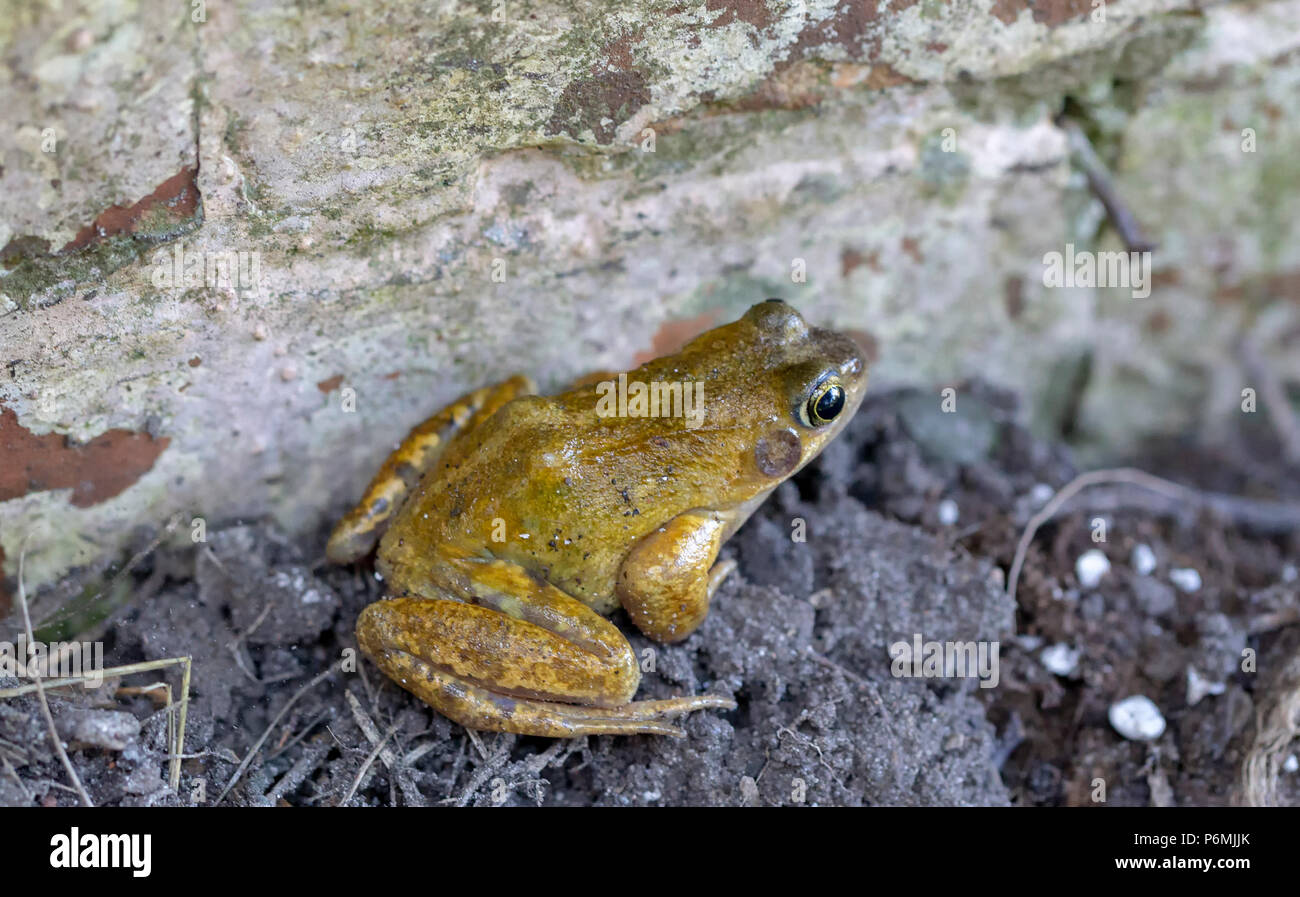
<point>476,707</point>
<point>347,545</point>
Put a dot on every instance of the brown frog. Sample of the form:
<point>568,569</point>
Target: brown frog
<point>511,522</point>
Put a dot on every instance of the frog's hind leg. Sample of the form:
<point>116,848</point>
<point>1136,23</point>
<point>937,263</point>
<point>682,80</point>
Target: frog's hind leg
<point>356,534</point>
<point>517,655</point>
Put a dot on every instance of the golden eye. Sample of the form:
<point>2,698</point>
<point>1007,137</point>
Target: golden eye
<point>824,403</point>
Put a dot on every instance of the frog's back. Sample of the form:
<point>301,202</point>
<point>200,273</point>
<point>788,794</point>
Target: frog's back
<point>548,484</point>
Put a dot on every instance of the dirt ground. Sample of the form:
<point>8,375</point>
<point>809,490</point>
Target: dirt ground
<point>799,637</point>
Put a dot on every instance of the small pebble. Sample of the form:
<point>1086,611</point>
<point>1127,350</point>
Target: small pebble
<point>1041,494</point>
<point>289,373</point>
<point>1091,566</point>
<point>1144,559</point>
<point>1289,573</point>
<point>1290,764</point>
<point>1137,718</point>
<point>1198,687</point>
<point>1186,578</point>
<point>1060,659</point>
<point>948,512</point>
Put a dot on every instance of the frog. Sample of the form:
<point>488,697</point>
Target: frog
<point>509,526</point>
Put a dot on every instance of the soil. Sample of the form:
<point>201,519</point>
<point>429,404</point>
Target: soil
<point>800,636</point>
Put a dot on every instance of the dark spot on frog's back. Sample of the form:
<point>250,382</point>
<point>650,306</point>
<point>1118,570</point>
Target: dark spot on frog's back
<point>539,575</point>
<point>777,453</point>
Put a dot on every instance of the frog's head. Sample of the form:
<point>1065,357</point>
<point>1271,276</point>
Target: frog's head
<point>776,391</point>
<point>808,381</point>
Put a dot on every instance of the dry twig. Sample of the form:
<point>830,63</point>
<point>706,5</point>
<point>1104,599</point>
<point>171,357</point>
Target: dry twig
<point>40,687</point>
<point>257,745</point>
<point>1268,516</point>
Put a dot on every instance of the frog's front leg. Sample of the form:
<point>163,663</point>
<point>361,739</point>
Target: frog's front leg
<point>356,534</point>
<point>667,580</point>
<point>494,648</point>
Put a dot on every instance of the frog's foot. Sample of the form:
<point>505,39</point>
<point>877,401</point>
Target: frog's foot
<point>356,534</point>
<point>668,579</point>
<point>553,667</point>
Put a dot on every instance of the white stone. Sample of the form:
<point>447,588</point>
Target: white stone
<point>948,512</point>
<point>1290,764</point>
<point>1060,659</point>
<point>1041,494</point>
<point>1091,566</point>
<point>1186,578</point>
<point>1143,559</point>
<point>1137,718</point>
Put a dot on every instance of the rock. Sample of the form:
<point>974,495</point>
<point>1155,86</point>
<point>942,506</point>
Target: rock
<point>1187,579</point>
<point>1137,718</point>
<point>1060,659</point>
<point>1090,567</point>
<point>112,730</point>
<point>1143,559</point>
<point>947,512</point>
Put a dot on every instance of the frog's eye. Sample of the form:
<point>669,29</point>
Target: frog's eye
<point>824,403</point>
